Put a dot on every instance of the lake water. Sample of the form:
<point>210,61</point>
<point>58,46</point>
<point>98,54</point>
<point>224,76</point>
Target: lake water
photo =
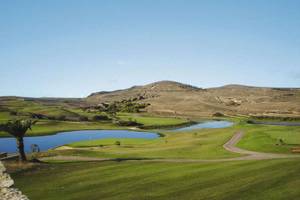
<point>207,124</point>
<point>51,141</point>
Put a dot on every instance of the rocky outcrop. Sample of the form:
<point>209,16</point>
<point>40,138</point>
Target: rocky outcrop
<point>7,192</point>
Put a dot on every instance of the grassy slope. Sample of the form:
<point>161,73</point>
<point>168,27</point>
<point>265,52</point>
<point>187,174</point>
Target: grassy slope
<point>273,179</point>
<point>267,179</point>
<point>152,120</point>
<point>45,127</point>
<point>264,138</point>
<point>201,144</point>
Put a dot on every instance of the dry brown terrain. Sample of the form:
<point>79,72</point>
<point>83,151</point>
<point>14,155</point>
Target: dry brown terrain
<point>172,98</point>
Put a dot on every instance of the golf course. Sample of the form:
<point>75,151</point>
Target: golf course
<point>150,100</point>
<point>242,161</point>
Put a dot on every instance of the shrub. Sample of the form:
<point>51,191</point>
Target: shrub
<point>218,114</point>
<point>250,121</point>
<point>37,116</point>
<point>118,143</point>
<point>100,117</point>
<point>61,117</point>
<point>83,118</point>
<point>127,123</point>
<point>13,113</point>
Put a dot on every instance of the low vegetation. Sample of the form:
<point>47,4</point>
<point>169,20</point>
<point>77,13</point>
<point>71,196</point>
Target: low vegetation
<point>135,175</point>
<point>63,116</point>
<point>271,179</point>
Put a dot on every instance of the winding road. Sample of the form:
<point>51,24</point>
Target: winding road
<point>229,146</point>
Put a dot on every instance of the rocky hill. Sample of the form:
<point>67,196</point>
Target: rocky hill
<point>173,98</point>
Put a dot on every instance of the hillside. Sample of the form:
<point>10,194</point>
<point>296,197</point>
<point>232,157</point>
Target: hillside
<point>173,98</point>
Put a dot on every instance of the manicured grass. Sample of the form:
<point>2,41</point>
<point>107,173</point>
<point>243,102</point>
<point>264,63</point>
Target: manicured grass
<point>266,138</point>
<point>244,180</point>
<point>111,142</point>
<point>197,144</point>
<point>151,120</point>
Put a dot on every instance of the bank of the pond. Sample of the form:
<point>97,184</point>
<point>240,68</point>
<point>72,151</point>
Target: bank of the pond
<point>8,144</point>
<point>51,141</point>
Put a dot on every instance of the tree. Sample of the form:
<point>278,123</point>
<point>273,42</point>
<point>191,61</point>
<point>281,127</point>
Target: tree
<point>18,129</point>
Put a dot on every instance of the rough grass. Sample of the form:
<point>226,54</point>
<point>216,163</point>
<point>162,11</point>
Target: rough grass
<point>244,180</point>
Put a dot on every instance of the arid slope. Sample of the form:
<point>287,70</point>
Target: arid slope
<point>172,98</point>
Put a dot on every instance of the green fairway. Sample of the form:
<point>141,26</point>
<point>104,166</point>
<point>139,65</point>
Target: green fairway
<point>151,121</point>
<point>200,144</point>
<point>275,179</point>
<point>265,138</point>
<point>111,141</point>
<point>196,144</point>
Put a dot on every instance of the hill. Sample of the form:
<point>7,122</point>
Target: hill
<point>173,98</point>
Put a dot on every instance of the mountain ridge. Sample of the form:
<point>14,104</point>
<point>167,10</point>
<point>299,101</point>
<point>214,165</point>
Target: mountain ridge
<point>195,87</point>
<point>170,97</point>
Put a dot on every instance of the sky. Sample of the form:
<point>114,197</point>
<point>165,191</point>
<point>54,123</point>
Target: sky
<point>71,48</point>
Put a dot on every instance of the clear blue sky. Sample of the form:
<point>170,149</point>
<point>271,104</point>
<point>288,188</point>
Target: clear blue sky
<point>70,48</point>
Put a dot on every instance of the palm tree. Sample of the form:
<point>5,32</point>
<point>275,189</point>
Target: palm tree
<point>18,129</point>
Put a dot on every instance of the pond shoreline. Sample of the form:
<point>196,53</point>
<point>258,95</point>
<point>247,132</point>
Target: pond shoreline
<point>47,142</point>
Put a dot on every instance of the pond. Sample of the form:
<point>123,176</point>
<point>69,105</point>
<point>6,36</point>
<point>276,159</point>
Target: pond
<point>8,144</point>
<point>206,124</point>
<point>51,141</point>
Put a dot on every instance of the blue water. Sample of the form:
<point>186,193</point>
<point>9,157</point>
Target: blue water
<point>51,141</point>
<point>207,124</point>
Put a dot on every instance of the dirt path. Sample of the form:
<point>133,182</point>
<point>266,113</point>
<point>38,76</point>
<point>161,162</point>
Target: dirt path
<point>229,146</point>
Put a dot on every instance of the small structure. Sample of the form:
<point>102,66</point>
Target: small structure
<point>35,148</point>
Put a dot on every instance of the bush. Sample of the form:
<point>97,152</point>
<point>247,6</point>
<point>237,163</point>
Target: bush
<point>83,118</point>
<point>127,123</point>
<point>13,113</point>
<point>218,114</point>
<point>118,143</point>
<point>250,121</point>
<point>37,116</point>
<point>100,117</point>
<point>61,117</point>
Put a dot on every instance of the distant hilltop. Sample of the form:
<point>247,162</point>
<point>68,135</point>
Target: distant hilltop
<point>169,97</point>
<point>172,98</point>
